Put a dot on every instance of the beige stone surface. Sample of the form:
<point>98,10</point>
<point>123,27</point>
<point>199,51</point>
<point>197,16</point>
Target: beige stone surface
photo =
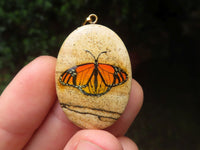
<point>86,111</point>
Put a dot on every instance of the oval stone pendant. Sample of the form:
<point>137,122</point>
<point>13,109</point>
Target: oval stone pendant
<point>93,76</point>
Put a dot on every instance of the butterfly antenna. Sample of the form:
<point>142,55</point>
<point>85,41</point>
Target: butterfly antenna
<point>97,56</point>
<point>90,53</point>
<point>100,54</point>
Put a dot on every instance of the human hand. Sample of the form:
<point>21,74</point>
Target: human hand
<point>31,118</point>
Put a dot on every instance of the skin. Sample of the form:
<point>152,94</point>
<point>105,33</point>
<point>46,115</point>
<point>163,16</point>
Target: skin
<point>31,118</point>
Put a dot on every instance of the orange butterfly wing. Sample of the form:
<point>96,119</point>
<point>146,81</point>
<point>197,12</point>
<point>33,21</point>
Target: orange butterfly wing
<point>112,75</point>
<point>77,76</point>
<point>93,79</point>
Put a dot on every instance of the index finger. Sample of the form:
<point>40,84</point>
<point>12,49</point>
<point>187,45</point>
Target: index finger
<point>26,101</point>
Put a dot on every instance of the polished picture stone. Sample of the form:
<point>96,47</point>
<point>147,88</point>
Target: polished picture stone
<point>93,76</point>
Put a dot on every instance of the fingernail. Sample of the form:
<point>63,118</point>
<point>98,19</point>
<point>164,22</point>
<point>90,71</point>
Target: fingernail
<point>86,145</point>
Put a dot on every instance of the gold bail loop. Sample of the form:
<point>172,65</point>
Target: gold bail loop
<point>92,19</point>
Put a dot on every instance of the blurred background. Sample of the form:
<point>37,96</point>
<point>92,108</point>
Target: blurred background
<point>162,37</point>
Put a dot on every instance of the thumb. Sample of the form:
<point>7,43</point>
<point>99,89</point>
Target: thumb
<point>93,140</point>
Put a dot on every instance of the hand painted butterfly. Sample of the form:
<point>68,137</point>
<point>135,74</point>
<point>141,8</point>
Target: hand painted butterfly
<point>94,79</point>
